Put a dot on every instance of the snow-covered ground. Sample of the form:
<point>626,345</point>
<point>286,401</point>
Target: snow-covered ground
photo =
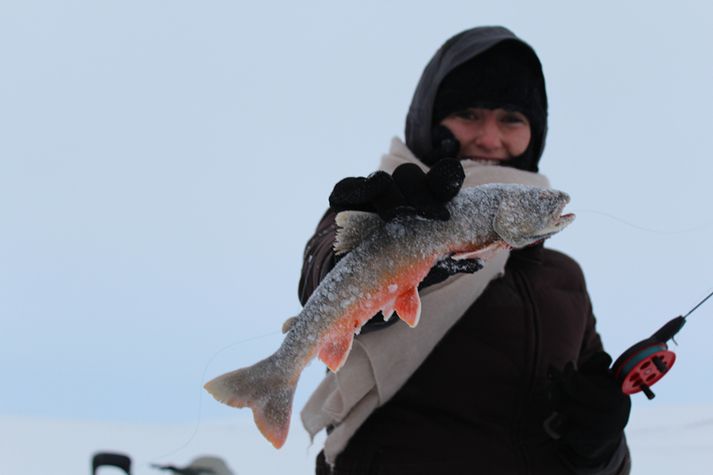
<point>663,440</point>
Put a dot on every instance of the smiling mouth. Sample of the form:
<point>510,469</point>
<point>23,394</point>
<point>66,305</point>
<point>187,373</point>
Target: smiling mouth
<point>482,160</point>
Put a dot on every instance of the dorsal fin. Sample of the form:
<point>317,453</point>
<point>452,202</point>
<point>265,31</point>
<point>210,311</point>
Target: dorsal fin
<point>354,226</point>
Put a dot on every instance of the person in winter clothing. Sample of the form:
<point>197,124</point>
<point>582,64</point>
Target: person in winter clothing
<point>505,373</point>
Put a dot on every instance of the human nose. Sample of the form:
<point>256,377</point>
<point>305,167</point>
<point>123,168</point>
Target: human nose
<point>488,135</point>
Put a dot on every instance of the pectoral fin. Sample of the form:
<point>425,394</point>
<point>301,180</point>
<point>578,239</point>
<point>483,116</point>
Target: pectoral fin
<point>334,351</point>
<point>408,307</point>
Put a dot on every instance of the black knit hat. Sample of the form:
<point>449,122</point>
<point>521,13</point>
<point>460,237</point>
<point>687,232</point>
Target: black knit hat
<point>504,76</point>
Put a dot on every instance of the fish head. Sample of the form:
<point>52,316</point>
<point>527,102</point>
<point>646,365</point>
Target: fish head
<point>528,214</point>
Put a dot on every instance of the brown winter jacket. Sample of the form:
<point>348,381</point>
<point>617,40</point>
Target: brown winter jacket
<point>479,398</point>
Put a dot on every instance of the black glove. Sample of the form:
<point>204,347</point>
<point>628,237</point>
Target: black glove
<point>590,411</point>
<point>445,144</point>
<point>408,191</point>
<point>448,267</point>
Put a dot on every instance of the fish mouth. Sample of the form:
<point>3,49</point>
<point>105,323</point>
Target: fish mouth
<point>558,225</point>
<point>557,222</point>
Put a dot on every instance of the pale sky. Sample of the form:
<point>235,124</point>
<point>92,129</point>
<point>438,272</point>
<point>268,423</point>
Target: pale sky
<point>162,164</point>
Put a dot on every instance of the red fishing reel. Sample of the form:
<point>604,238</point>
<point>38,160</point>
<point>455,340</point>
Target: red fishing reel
<point>645,363</point>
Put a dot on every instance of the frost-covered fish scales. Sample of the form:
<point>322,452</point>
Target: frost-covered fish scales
<point>381,272</point>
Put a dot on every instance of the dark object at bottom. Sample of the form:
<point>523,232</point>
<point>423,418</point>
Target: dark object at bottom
<point>111,459</point>
<point>190,470</point>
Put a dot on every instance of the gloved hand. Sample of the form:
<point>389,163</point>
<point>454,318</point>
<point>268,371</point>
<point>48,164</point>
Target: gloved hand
<point>590,411</point>
<point>445,144</point>
<point>448,267</point>
<point>408,191</point>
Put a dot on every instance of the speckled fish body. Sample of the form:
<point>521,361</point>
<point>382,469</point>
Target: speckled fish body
<point>381,272</point>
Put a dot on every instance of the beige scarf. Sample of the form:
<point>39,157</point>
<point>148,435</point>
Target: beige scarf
<point>380,362</point>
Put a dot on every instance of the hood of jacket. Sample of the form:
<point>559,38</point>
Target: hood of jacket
<point>454,52</point>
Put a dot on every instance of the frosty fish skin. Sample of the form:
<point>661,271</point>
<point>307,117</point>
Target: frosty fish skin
<point>382,272</point>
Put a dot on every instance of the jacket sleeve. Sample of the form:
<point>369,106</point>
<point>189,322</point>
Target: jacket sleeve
<point>620,461</point>
<point>318,258</point>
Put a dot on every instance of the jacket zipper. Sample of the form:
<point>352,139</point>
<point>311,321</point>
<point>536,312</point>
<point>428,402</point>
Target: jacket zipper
<point>535,353</point>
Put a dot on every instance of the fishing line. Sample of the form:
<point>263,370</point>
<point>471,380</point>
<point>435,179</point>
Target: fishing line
<point>202,392</point>
<point>699,304</point>
<point>645,229</point>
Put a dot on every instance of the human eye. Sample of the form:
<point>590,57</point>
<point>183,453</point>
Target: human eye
<point>467,114</point>
<point>514,118</point>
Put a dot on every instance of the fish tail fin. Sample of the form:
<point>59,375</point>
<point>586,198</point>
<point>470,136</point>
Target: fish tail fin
<point>266,389</point>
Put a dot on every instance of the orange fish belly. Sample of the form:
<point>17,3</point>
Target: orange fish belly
<point>397,293</point>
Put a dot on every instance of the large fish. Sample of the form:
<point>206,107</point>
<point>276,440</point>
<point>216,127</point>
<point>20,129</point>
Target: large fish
<point>381,272</point>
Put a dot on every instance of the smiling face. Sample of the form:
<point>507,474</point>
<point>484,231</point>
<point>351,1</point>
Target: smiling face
<point>489,134</point>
